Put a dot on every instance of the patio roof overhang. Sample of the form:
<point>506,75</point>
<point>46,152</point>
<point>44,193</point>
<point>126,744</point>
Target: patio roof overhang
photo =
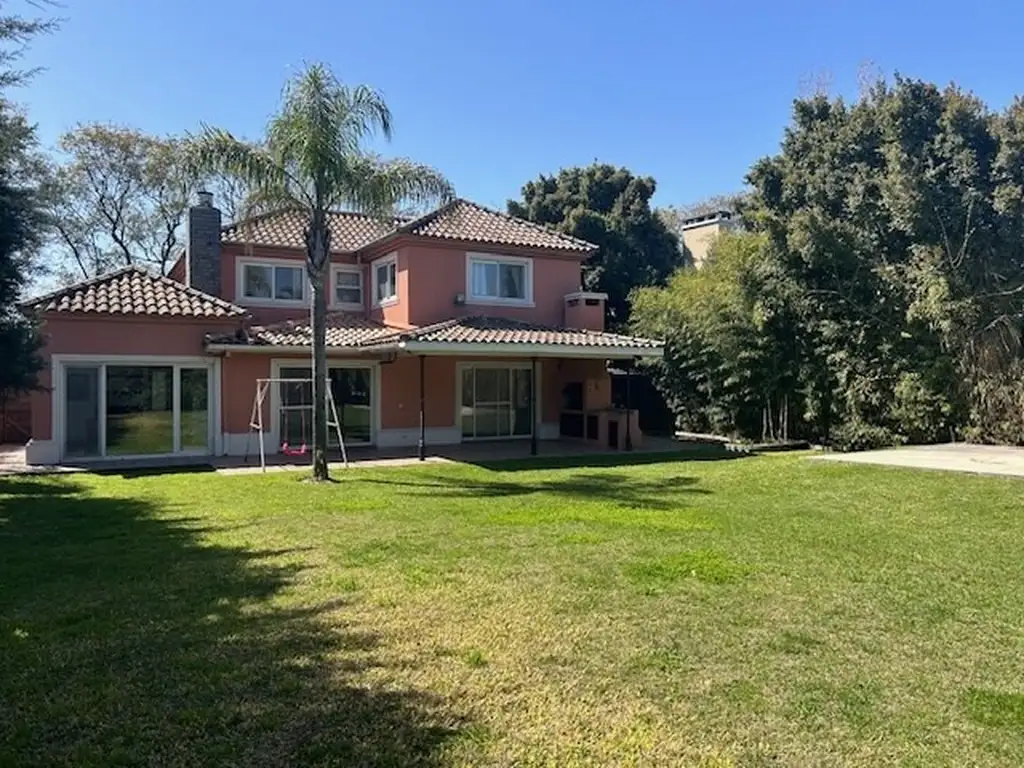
<point>471,336</point>
<point>487,349</point>
<point>518,349</point>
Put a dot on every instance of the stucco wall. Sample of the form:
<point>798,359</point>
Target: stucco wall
<point>429,277</point>
<point>109,335</point>
<point>438,272</point>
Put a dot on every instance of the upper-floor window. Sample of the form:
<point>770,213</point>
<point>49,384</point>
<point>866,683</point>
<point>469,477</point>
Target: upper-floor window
<point>385,280</point>
<point>271,281</point>
<point>499,279</point>
<point>348,286</point>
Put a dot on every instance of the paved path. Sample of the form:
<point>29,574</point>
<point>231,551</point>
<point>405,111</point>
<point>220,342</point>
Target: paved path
<point>956,457</point>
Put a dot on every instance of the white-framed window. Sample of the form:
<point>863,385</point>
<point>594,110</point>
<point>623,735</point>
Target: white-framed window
<point>348,286</point>
<point>385,280</point>
<point>271,281</point>
<point>492,279</point>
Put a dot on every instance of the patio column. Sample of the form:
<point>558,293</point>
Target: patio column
<point>629,412</point>
<point>533,407</point>
<point>423,423</point>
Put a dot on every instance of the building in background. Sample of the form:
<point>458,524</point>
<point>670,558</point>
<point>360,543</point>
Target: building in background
<point>697,233</point>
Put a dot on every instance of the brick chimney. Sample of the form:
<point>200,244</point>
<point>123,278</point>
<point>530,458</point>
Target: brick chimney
<point>202,245</point>
<point>585,310</point>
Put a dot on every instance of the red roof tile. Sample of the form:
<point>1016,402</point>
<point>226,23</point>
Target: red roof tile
<point>344,330</point>
<point>134,291</point>
<point>459,220</point>
<point>285,229</point>
<point>463,220</point>
<point>501,330</point>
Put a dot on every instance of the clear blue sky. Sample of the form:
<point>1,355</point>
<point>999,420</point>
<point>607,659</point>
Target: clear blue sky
<point>495,93</point>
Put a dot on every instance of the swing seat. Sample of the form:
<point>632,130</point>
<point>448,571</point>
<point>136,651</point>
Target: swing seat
<point>287,450</point>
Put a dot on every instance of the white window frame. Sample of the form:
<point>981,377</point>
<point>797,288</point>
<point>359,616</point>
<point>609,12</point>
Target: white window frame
<point>391,258</point>
<point>242,299</point>
<point>350,269</point>
<point>58,401</point>
<point>494,258</point>
<point>518,364</point>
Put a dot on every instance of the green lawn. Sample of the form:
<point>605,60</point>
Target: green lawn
<point>757,611</point>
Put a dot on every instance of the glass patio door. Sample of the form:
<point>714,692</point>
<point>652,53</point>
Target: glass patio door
<point>126,409</point>
<point>496,402</point>
<point>82,411</point>
<point>352,389</point>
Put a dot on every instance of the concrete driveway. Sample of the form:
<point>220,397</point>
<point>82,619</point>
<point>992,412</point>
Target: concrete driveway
<point>956,457</point>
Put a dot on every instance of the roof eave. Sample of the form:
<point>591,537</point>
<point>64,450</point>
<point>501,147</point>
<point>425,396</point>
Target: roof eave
<point>517,349</point>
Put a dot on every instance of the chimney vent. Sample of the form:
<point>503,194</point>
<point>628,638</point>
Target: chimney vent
<point>205,198</point>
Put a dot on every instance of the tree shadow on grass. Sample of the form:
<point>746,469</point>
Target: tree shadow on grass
<point>609,459</point>
<point>615,487</point>
<point>124,640</point>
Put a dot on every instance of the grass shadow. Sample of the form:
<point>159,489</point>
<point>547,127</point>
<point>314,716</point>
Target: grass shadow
<point>702,453</point>
<point>124,639</point>
<point>619,487</point>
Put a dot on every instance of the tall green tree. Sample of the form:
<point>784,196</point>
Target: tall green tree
<point>313,159</point>
<point>610,207</point>
<point>120,197</point>
<point>22,223</point>
<point>893,257</point>
<point>23,186</point>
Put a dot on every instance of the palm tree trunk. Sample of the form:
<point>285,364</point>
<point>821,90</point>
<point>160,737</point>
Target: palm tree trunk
<point>317,249</point>
<point>319,322</point>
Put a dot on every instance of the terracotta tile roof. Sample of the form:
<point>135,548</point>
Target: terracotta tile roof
<point>499,330</point>
<point>463,220</point>
<point>343,330</point>
<point>459,220</point>
<point>284,229</point>
<point>134,291</point>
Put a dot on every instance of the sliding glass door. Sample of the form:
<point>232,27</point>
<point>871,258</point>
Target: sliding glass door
<point>496,401</point>
<point>82,411</point>
<point>125,409</point>
<point>140,410</point>
<point>352,389</point>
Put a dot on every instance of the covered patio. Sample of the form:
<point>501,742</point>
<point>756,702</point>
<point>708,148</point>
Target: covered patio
<point>560,452</point>
<point>469,380</point>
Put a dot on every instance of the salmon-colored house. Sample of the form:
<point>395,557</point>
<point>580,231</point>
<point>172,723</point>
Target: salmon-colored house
<point>465,324</point>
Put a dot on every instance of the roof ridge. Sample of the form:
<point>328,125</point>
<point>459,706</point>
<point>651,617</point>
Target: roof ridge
<point>534,224</point>
<point>411,333</point>
<point>331,212</point>
<point>426,218</point>
<point>82,284</point>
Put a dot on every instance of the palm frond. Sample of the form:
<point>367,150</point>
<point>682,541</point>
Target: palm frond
<point>215,150</point>
<point>379,187</point>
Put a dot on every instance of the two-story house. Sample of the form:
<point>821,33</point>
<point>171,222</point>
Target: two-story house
<point>464,324</point>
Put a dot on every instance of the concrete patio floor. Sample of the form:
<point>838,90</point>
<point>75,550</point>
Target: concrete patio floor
<point>12,458</point>
<point>953,457</point>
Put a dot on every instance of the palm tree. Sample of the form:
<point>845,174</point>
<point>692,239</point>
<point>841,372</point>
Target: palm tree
<point>312,159</point>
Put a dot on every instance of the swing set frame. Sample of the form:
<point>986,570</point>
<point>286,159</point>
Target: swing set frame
<point>256,425</point>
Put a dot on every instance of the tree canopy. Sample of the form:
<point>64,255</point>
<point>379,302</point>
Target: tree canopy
<point>120,197</point>
<point>889,269</point>
<point>22,220</point>
<point>610,207</point>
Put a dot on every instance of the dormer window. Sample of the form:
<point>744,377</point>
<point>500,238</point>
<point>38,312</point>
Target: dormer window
<point>271,282</point>
<point>499,279</point>
<point>385,280</point>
